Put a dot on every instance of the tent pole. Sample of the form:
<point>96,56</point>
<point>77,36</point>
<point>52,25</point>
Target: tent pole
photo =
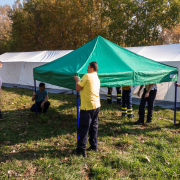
<point>77,98</point>
<point>35,96</point>
<point>175,103</point>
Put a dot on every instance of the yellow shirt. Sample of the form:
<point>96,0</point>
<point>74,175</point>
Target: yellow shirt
<point>126,87</point>
<point>90,93</point>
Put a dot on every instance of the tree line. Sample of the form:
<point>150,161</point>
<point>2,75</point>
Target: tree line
<point>68,24</point>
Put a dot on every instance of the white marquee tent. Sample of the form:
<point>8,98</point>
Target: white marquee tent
<point>18,67</point>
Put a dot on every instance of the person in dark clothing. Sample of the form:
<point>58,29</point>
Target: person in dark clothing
<point>149,96</point>
<point>109,94</point>
<point>178,85</point>
<point>41,99</point>
<point>1,64</point>
<point>127,102</point>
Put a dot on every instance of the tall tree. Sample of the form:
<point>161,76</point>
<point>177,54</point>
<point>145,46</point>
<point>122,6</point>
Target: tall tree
<point>50,24</point>
<point>5,28</point>
<point>139,22</point>
<point>171,36</point>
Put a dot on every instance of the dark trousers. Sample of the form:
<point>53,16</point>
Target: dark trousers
<point>118,90</point>
<point>88,122</point>
<point>109,98</point>
<point>39,109</point>
<point>150,100</point>
<point>127,103</point>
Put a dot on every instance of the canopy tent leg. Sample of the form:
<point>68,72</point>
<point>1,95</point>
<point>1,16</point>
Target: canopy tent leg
<point>35,96</point>
<point>175,103</point>
<point>77,115</point>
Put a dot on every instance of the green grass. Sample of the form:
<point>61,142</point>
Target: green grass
<point>42,146</point>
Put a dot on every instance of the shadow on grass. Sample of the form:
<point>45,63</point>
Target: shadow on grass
<point>22,125</point>
<point>111,128</point>
<point>47,151</point>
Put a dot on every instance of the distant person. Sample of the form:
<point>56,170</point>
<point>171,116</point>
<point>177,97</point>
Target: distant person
<point>127,102</point>
<point>41,99</point>
<point>1,64</point>
<point>118,90</point>
<point>178,85</point>
<point>89,86</point>
<point>149,96</point>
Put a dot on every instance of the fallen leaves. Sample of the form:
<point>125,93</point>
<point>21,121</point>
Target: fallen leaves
<point>65,159</point>
<point>147,159</point>
<point>7,142</point>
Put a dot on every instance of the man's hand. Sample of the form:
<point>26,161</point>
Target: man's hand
<point>35,93</point>
<point>146,95</point>
<point>176,84</point>
<point>76,78</point>
<point>42,104</point>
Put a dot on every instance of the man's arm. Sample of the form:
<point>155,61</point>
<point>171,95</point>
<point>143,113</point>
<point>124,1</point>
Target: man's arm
<point>140,88</point>
<point>77,79</point>
<point>176,84</point>
<point>33,98</point>
<point>149,89</point>
<point>42,104</point>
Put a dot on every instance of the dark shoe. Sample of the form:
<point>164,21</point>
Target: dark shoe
<point>109,101</point>
<point>92,149</point>
<point>81,151</point>
<point>178,124</point>
<point>147,122</point>
<point>130,117</point>
<point>138,122</point>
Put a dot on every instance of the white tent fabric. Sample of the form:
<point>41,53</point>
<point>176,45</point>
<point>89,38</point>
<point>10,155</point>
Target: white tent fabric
<point>18,67</point>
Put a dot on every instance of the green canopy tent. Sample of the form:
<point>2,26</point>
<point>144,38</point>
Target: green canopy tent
<point>117,67</point>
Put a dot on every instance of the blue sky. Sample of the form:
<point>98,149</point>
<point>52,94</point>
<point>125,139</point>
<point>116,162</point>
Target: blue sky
<point>9,2</point>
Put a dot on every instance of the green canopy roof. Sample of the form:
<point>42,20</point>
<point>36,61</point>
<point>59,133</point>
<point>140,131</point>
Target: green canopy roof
<point>117,67</point>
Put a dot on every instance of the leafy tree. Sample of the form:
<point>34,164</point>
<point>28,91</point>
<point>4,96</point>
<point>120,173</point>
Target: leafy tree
<point>5,28</point>
<point>138,22</point>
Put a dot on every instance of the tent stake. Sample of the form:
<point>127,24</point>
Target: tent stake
<point>175,103</point>
<point>77,115</point>
<point>35,96</point>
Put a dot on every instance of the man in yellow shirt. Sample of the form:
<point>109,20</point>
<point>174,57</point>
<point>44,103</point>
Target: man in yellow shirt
<point>89,86</point>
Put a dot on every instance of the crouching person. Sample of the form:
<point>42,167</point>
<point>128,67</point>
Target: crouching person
<point>41,99</point>
<point>89,86</point>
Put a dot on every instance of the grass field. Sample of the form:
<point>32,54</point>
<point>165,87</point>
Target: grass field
<point>42,146</point>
